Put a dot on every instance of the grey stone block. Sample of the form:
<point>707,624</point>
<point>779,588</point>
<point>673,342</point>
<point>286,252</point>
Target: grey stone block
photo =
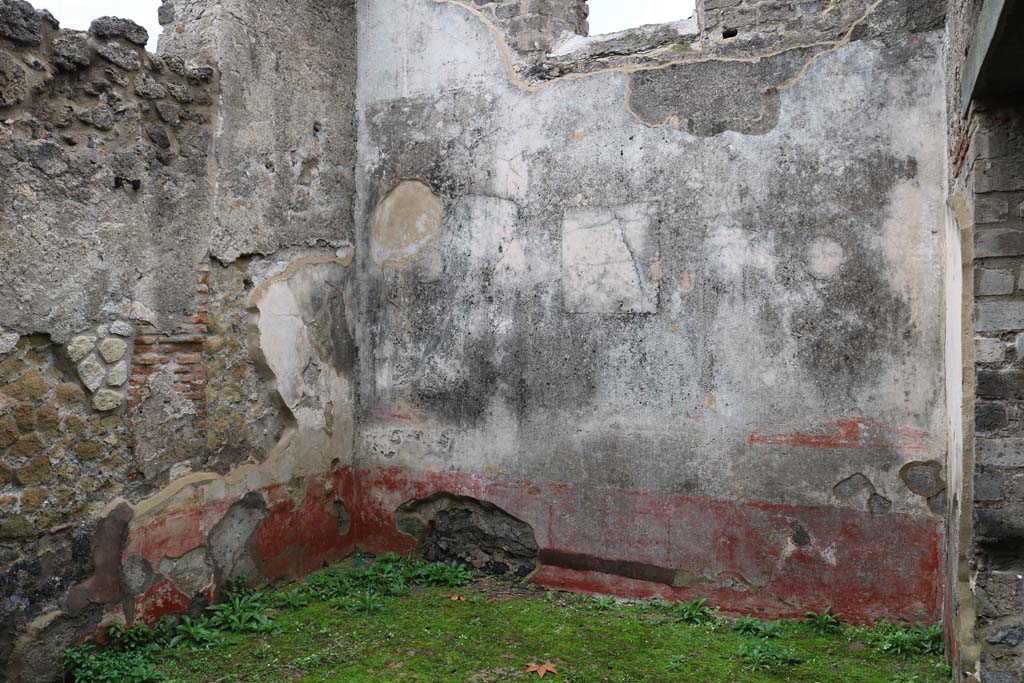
<point>1012,635</point>
<point>989,486</point>
<point>1008,452</point>
<point>1002,523</point>
<point>998,242</point>
<point>999,677</point>
<point>991,209</point>
<point>1000,175</point>
<point>990,416</point>
<point>999,383</point>
<point>999,316</point>
<point>991,282</point>
<point>989,350</point>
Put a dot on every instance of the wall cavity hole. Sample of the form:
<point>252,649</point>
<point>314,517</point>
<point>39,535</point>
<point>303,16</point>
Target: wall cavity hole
<point>730,33</point>
<point>452,528</point>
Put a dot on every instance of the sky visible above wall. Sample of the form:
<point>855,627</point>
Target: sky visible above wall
<point>78,14</point>
<point>608,16</point>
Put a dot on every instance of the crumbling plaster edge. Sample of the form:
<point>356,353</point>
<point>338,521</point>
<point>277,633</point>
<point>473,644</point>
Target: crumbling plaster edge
<point>509,59</point>
<point>970,649</point>
<point>250,476</point>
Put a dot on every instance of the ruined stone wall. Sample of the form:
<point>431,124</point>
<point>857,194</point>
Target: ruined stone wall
<point>682,313</point>
<point>651,314</point>
<point>175,393</point>
<point>534,25</point>
<point>285,156</point>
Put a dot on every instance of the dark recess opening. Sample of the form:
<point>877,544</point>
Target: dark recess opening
<point>730,33</point>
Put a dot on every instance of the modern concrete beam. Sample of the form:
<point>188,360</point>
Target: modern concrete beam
<point>994,59</point>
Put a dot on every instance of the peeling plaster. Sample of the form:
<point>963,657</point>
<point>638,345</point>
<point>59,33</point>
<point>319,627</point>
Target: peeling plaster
<point>307,448</point>
<point>822,48</point>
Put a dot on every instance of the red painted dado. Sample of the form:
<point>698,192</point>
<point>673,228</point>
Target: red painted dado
<point>774,560</point>
<point>161,599</point>
<point>299,538</point>
<point>296,538</point>
<point>852,433</point>
<point>173,534</point>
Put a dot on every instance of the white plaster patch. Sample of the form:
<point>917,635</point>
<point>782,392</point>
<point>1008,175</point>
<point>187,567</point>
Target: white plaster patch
<point>731,250</point>
<point>511,176</point>
<point>825,257</point>
<point>406,219</point>
<point>307,383</point>
<point>607,255</point>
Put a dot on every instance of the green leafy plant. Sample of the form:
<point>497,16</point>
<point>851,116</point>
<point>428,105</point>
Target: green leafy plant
<point>138,636</point>
<point>676,664</point>
<point>907,678</point>
<point>657,604</point>
<point>241,613</point>
<point>388,575</point>
<point>695,612</point>
<point>367,602</point>
<point>931,639</point>
<point>825,623</point>
<point>293,598</point>
<point>127,657</point>
<point>200,633</point>
<point>760,655</point>
<point>441,575</point>
<point>308,661</point>
<point>758,628</point>
<point>907,642</point>
<point>236,585</point>
<point>602,602</point>
<point>88,664</point>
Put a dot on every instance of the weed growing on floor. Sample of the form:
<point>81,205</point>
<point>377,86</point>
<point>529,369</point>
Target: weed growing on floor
<point>366,602</point>
<point>824,624</point>
<point>130,653</point>
<point>758,628</point>
<point>917,640</point>
<point>400,619</point>
<point>696,612</point>
<point>901,639</point>
<point>389,575</point>
<point>200,633</point>
<point>759,655</point>
<point>241,613</point>
<point>292,598</point>
<point>112,665</point>
<point>657,605</point>
<point>677,664</point>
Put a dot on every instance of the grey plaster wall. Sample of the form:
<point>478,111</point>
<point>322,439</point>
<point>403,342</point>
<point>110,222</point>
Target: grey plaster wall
<point>645,285</point>
<point>284,148</point>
